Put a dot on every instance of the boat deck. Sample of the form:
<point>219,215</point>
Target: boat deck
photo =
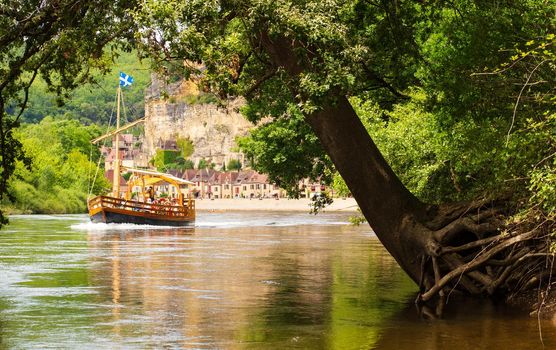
<point>116,210</point>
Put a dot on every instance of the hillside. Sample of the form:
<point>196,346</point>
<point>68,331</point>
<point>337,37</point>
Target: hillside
<point>92,103</point>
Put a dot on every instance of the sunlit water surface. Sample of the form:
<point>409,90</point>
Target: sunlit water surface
<point>234,281</point>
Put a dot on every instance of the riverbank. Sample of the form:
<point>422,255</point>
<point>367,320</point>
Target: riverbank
<point>238,204</point>
<point>282,204</point>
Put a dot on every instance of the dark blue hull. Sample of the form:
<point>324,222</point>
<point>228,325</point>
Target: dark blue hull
<point>109,217</point>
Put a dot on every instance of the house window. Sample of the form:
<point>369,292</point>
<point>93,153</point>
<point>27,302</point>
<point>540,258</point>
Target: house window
<point>245,188</point>
<point>216,189</point>
<point>252,187</point>
<point>227,187</point>
<point>264,186</point>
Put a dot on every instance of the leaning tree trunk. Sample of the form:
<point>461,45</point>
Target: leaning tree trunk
<point>396,216</point>
<point>391,210</point>
<point>457,246</point>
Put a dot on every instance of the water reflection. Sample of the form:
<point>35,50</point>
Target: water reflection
<point>467,324</point>
<point>276,282</point>
<point>249,287</point>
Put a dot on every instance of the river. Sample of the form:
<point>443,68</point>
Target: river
<point>258,280</point>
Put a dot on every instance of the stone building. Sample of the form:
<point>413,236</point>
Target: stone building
<point>131,153</point>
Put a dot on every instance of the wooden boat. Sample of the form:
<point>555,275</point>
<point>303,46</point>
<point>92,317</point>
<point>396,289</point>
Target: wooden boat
<point>139,207</point>
<point>110,209</point>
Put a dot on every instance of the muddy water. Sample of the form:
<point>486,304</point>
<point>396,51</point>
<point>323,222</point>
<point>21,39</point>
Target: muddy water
<point>235,281</point>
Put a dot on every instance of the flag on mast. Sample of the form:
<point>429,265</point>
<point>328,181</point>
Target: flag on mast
<point>125,80</point>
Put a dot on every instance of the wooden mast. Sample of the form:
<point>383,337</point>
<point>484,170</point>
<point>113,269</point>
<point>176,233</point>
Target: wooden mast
<point>116,180</point>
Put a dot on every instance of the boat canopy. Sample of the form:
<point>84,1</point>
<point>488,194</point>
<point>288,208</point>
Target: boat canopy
<point>153,177</point>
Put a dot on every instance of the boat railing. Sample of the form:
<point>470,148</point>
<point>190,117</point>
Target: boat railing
<point>188,209</point>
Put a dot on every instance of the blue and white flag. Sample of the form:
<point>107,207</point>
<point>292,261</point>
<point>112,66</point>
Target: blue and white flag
<point>125,80</point>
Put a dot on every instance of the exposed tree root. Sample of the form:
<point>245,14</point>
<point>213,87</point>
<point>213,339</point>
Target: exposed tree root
<point>472,250</point>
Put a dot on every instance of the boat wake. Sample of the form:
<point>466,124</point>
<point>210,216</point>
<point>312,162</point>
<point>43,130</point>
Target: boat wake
<point>242,220</point>
<point>92,226</point>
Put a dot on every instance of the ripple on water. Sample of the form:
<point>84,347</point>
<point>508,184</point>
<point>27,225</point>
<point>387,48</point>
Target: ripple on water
<point>92,227</point>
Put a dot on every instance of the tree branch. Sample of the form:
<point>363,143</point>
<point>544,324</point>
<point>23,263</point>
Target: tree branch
<point>259,82</point>
<point>240,68</point>
<point>383,84</point>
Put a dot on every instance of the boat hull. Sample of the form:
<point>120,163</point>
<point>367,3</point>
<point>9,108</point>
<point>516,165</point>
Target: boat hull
<point>110,210</point>
<point>109,217</point>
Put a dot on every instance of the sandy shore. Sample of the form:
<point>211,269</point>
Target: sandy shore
<point>282,204</point>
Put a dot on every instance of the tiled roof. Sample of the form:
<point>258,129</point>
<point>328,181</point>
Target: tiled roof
<point>218,178</point>
<point>109,175</point>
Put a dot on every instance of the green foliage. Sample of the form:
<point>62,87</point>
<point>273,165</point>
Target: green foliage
<point>186,147</point>
<point>357,219</point>
<point>416,150</point>
<point>436,86</point>
<point>542,183</point>
<point>458,96</point>
<point>319,202</point>
<point>203,164</point>
<point>287,150</point>
<point>60,175</point>
<point>64,42</point>
<point>203,98</point>
<point>163,159</point>
<point>233,165</point>
<point>187,164</point>
<point>471,159</point>
<point>340,186</point>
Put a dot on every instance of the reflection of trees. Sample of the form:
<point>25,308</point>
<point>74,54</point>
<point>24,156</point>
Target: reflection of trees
<point>296,303</point>
<point>368,288</point>
<point>289,287</point>
<point>466,324</point>
<point>335,296</point>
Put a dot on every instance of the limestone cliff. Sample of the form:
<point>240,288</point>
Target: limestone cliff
<point>180,110</point>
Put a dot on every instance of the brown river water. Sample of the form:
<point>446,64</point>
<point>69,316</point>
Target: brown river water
<point>258,280</point>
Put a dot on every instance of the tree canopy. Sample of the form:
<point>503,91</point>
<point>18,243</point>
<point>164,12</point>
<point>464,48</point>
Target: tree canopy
<point>436,84</point>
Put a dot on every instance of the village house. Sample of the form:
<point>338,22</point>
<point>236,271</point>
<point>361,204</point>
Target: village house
<point>310,188</point>
<point>222,184</point>
<point>202,182</point>
<point>211,184</point>
<point>239,187</point>
<point>130,156</point>
<point>256,185</point>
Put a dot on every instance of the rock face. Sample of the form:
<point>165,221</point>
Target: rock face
<point>179,110</point>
